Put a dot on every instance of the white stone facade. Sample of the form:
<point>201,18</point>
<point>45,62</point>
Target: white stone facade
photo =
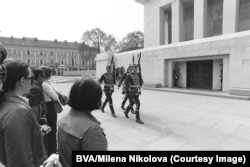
<point>228,52</point>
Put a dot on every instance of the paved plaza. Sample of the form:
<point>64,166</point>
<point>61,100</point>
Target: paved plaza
<point>175,121</point>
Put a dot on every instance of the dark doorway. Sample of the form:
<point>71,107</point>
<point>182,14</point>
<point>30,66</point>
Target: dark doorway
<point>200,74</point>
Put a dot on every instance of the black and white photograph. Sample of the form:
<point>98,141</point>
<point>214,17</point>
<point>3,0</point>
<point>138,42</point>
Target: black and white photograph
<point>145,80</point>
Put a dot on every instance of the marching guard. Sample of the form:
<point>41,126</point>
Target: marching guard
<point>125,89</point>
<point>109,81</point>
<point>134,82</point>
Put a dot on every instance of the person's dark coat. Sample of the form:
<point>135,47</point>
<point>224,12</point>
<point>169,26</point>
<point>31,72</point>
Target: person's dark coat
<point>36,100</point>
<point>20,136</point>
<point>79,131</point>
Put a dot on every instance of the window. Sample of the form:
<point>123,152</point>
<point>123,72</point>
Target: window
<point>51,53</point>
<point>214,17</point>
<point>244,15</point>
<point>14,51</point>
<point>28,52</point>
<point>41,62</point>
<point>8,51</point>
<point>41,53</point>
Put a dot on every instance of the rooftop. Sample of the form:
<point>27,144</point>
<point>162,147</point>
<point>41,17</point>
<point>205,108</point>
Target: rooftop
<point>35,42</point>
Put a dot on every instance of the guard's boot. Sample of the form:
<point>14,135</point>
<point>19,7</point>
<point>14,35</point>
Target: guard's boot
<point>138,120</point>
<point>127,111</point>
<point>132,110</point>
<point>103,106</point>
<point>112,110</point>
<point>123,102</point>
<point>122,107</point>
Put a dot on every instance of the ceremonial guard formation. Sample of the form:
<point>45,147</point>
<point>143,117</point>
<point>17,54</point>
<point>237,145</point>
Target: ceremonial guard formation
<point>109,81</point>
<point>134,82</point>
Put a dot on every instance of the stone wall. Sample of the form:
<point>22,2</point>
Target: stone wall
<point>79,73</point>
<point>157,62</point>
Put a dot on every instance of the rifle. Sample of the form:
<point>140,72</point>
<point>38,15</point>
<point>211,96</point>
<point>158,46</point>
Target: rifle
<point>139,65</point>
<point>113,64</point>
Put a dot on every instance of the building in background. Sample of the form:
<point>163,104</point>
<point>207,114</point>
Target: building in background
<point>200,44</point>
<point>64,57</point>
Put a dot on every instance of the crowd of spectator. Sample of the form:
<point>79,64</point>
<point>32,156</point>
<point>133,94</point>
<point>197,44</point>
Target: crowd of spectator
<point>28,117</point>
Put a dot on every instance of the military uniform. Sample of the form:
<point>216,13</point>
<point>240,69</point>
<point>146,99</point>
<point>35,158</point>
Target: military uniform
<point>134,82</point>
<point>109,82</point>
<point>125,90</point>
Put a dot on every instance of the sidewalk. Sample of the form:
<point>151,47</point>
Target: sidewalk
<point>200,92</point>
<point>177,121</point>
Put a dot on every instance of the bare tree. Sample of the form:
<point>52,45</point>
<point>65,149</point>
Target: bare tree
<point>95,38</point>
<point>110,43</point>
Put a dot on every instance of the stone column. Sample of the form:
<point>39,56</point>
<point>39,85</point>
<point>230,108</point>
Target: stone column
<point>78,60</point>
<point>67,61</point>
<point>22,55</point>
<point>200,18</point>
<point>56,53</point>
<point>47,55</point>
<point>35,57</point>
<point>230,16</point>
<point>177,21</point>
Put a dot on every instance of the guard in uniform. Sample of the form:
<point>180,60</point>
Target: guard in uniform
<point>109,81</point>
<point>125,89</point>
<point>134,82</point>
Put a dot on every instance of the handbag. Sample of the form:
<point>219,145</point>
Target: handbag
<point>63,99</point>
<point>57,106</point>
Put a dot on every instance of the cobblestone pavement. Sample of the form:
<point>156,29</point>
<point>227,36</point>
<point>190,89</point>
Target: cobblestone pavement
<point>175,121</point>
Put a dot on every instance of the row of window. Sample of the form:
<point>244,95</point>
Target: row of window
<point>59,62</point>
<point>41,52</point>
<point>213,22</point>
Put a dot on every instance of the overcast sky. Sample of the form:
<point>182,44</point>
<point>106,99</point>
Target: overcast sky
<point>69,19</point>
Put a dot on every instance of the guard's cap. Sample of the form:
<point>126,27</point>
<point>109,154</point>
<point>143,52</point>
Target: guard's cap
<point>108,66</point>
